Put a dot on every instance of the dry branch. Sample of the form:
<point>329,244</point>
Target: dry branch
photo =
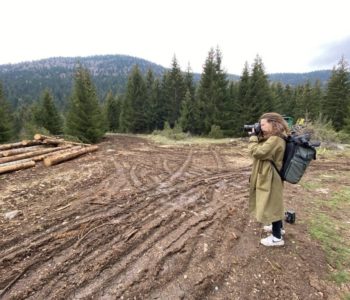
<point>15,167</point>
<point>55,159</point>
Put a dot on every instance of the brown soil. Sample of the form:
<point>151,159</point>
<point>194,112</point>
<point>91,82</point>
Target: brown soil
<point>137,220</point>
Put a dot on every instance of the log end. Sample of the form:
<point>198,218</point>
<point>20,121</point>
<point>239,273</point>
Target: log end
<point>38,137</point>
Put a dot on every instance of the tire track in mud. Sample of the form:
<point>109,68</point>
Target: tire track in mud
<point>66,248</point>
<point>133,249</point>
<point>218,159</point>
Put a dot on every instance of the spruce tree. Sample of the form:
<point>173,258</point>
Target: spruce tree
<point>50,118</point>
<point>234,109</point>
<point>5,118</point>
<point>134,117</point>
<point>85,118</point>
<point>189,114</point>
<point>112,109</point>
<point>174,91</point>
<point>245,105</point>
<point>212,92</point>
<point>337,98</point>
<point>260,93</point>
<point>289,101</point>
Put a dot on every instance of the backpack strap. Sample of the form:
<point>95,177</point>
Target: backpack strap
<point>278,171</point>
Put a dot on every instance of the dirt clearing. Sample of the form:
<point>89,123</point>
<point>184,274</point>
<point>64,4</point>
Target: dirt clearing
<point>139,220</point>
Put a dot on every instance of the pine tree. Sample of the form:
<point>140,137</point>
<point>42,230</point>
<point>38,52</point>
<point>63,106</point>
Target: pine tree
<point>234,110</point>
<point>316,100</point>
<point>337,98</point>
<point>189,114</point>
<point>112,109</point>
<point>245,105</point>
<point>289,101</point>
<point>6,131</point>
<point>50,118</point>
<point>134,117</point>
<point>85,118</point>
<point>174,91</point>
<point>212,92</point>
<point>260,93</point>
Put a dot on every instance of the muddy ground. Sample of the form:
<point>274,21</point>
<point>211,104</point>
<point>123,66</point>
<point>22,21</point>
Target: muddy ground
<point>139,220</point>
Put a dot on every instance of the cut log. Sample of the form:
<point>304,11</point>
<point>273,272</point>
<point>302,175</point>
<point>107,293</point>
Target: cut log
<point>53,140</point>
<point>41,137</point>
<point>19,144</point>
<point>29,154</point>
<point>31,143</point>
<point>15,167</point>
<point>11,146</point>
<point>55,159</point>
<point>15,162</point>
<point>60,150</point>
<point>49,140</point>
<point>19,150</point>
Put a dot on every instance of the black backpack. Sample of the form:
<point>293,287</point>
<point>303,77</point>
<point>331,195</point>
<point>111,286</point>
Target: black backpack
<point>297,156</point>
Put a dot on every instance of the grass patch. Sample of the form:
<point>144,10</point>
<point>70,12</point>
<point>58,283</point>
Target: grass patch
<point>311,185</point>
<point>340,199</point>
<point>332,232</point>
<point>191,140</point>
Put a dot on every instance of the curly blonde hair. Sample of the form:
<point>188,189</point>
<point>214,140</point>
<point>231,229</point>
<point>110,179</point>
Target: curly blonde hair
<point>279,125</point>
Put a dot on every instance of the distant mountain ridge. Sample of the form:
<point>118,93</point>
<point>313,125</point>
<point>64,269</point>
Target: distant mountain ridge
<point>24,82</point>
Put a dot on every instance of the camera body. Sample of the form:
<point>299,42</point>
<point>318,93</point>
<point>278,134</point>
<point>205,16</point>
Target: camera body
<point>290,216</point>
<point>256,127</point>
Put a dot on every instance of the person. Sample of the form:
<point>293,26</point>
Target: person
<point>266,186</point>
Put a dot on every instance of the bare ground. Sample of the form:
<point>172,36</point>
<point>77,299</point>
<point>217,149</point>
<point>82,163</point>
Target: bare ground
<point>137,220</point>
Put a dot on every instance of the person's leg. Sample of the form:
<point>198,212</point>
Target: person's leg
<point>276,229</point>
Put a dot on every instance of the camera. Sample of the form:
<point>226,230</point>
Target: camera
<point>256,127</point>
<point>289,216</point>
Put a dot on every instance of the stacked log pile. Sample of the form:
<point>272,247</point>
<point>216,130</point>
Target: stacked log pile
<point>50,150</point>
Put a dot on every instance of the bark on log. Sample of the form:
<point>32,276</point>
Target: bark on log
<point>60,150</point>
<point>31,143</point>
<point>19,150</point>
<point>15,167</point>
<point>19,144</point>
<point>55,159</point>
<point>29,154</point>
<point>15,162</point>
<point>41,137</point>
<point>52,140</point>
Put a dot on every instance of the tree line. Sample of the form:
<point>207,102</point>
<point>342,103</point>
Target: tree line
<point>175,100</point>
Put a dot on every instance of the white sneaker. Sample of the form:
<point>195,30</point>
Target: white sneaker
<point>271,241</point>
<point>268,229</point>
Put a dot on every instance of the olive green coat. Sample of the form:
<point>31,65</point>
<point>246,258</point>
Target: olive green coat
<point>266,186</point>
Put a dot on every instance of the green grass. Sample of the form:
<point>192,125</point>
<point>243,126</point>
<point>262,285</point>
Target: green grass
<point>160,139</point>
<point>331,229</point>
<point>311,185</point>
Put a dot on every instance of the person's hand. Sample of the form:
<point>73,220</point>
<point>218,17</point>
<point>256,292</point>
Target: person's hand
<point>252,132</point>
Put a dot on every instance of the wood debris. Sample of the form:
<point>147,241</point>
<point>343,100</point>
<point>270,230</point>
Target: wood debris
<point>50,150</point>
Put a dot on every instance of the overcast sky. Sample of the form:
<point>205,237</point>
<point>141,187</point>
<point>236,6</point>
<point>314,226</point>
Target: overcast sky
<point>289,35</point>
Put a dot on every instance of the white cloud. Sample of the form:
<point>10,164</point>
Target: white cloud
<point>288,35</point>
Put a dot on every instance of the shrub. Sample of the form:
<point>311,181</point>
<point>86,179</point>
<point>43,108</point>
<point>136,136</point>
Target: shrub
<point>216,132</point>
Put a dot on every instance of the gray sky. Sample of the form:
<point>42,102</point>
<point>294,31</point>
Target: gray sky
<point>289,35</point>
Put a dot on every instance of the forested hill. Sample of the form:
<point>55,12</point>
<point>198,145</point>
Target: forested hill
<point>25,82</point>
